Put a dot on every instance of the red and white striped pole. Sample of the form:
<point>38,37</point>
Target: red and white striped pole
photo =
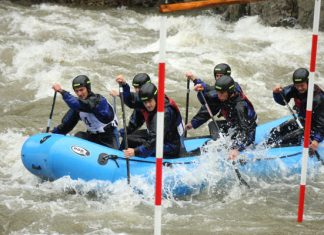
<point>160,130</point>
<point>309,111</point>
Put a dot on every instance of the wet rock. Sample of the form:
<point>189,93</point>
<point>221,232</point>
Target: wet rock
<point>288,13</point>
<point>276,13</point>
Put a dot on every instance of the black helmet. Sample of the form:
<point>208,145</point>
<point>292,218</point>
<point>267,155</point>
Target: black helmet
<point>224,69</point>
<point>140,79</point>
<point>147,91</point>
<point>81,81</point>
<point>225,83</point>
<point>300,75</point>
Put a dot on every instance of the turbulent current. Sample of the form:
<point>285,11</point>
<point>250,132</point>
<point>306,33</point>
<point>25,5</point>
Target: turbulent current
<point>44,44</point>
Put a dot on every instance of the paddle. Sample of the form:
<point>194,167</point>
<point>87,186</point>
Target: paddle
<point>211,115</point>
<point>114,104</point>
<point>121,91</point>
<point>318,156</point>
<point>51,113</point>
<point>292,112</point>
<point>238,174</point>
<point>187,106</point>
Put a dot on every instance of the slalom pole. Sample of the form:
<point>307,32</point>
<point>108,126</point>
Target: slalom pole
<point>51,113</point>
<point>160,130</point>
<point>310,92</point>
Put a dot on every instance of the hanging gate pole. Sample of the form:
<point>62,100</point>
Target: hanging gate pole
<point>160,130</point>
<point>308,121</point>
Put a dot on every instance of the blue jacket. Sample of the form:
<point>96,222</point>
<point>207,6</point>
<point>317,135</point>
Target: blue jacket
<point>95,104</point>
<point>172,138</point>
<point>131,99</point>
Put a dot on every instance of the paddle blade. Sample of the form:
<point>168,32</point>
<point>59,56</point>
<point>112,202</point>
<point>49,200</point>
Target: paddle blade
<point>213,130</point>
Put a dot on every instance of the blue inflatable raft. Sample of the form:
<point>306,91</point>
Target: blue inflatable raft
<point>52,156</point>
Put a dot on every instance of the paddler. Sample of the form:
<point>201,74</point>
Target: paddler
<point>93,109</point>
<point>173,125</point>
<point>289,133</point>
<point>234,106</point>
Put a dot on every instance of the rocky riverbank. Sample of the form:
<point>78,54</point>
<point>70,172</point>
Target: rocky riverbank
<point>273,12</point>
<point>278,12</point>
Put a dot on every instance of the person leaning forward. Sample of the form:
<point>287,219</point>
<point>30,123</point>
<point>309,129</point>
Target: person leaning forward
<point>133,101</point>
<point>93,109</point>
<point>173,127</point>
<point>219,70</point>
<point>235,107</point>
<point>289,133</point>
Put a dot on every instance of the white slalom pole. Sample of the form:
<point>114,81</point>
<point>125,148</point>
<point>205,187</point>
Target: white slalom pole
<point>309,111</point>
<point>160,130</point>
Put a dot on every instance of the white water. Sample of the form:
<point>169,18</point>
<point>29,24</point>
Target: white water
<point>43,44</point>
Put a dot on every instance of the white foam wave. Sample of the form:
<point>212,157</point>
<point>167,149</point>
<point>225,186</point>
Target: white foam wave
<point>11,165</point>
<point>59,49</point>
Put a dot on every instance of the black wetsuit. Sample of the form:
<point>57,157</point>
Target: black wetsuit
<point>238,113</point>
<point>289,133</point>
<point>145,143</point>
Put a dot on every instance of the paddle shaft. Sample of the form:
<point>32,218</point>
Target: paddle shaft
<point>187,105</point>
<point>237,172</point>
<point>51,113</point>
<point>211,114</point>
<point>292,112</point>
<point>239,176</point>
<point>114,104</point>
<point>121,95</point>
<point>318,156</point>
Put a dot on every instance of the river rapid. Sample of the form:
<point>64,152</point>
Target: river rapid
<point>44,44</point>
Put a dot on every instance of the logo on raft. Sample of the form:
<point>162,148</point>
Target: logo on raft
<point>81,151</point>
<point>44,139</point>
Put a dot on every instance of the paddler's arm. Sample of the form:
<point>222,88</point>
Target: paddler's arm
<point>278,93</point>
<point>148,147</point>
<point>317,133</point>
<point>69,121</point>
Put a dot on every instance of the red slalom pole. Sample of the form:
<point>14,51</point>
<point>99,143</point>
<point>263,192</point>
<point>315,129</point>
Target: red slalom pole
<point>309,108</point>
<point>160,130</point>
